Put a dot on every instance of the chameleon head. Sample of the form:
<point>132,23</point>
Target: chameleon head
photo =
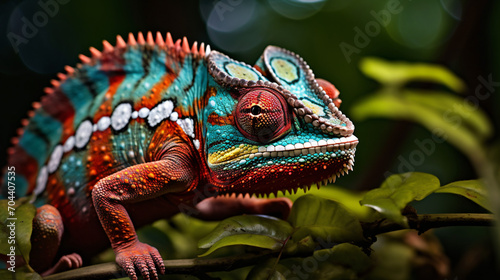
<point>272,127</point>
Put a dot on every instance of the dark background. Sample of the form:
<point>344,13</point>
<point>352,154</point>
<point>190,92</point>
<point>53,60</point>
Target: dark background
<point>461,35</point>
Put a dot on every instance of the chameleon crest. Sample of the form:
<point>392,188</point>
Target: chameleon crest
<point>138,131</point>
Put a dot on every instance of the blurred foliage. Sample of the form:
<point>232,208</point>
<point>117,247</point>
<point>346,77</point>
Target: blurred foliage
<point>329,232</point>
<point>462,35</point>
<point>20,213</point>
<point>474,190</point>
<point>442,113</point>
<point>400,73</point>
<point>258,231</point>
<point>15,232</point>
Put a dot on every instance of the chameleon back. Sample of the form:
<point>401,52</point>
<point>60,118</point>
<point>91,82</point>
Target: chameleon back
<point>102,116</point>
<point>118,108</point>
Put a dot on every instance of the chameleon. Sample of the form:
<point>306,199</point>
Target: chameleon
<point>149,127</point>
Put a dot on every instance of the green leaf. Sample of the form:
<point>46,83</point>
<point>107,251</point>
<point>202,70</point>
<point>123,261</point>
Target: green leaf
<point>347,255</point>
<point>348,198</point>
<point>25,272</point>
<point>402,72</point>
<point>399,107</point>
<point>393,259</point>
<point>474,190</point>
<point>343,261</point>
<point>158,239</point>
<point>4,230</point>
<point>257,231</point>
<point>267,270</point>
<point>255,240</point>
<point>271,227</point>
<point>397,191</point>
<point>23,215</point>
<point>324,219</point>
<point>311,268</point>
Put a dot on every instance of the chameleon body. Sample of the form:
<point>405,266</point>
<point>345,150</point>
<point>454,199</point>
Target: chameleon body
<point>148,128</point>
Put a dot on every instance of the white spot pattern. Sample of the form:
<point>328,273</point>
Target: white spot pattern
<point>41,180</point>
<point>187,125</point>
<point>55,159</point>
<point>69,144</point>
<point>143,112</point>
<point>174,116</point>
<point>196,143</point>
<point>83,133</point>
<point>103,123</point>
<point>119,119</point>
<point>160,112</point>
<point>121,116</point>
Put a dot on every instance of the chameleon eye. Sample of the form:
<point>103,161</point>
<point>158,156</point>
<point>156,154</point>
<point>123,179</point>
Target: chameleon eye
<point>262,115</point>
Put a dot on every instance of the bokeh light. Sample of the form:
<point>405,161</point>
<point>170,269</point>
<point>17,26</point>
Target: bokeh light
<point>421,24</point>
<point>296,9</point>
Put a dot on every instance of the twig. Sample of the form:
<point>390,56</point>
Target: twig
<point>425,222</point>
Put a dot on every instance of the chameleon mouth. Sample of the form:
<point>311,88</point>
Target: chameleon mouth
<point>242,153</point>
<point>309,147</point>
<point>287,168</point>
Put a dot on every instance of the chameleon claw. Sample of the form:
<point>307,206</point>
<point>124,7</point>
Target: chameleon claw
<point>141,256</point>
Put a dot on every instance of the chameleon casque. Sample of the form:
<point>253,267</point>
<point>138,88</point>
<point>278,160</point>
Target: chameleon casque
<point>149,127</point>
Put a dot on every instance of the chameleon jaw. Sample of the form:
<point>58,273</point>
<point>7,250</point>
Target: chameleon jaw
<point>263,173</point>
<point>309,147</point>
<point>244,152</point>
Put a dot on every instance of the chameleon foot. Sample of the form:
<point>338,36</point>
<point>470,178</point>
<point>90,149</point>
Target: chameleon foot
<point>67,262</point>
<point>141,256</point>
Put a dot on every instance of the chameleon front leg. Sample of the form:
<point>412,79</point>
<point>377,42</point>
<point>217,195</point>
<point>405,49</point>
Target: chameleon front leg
<point>137,183</point>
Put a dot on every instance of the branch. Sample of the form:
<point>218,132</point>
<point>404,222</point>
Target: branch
<point>425,222</point>
<point>182,266</point>
<point>194,266</point>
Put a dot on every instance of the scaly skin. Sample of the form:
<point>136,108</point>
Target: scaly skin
<point>148,128</point>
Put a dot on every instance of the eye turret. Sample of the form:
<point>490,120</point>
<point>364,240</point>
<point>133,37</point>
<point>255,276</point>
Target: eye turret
<point>262,115</point>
